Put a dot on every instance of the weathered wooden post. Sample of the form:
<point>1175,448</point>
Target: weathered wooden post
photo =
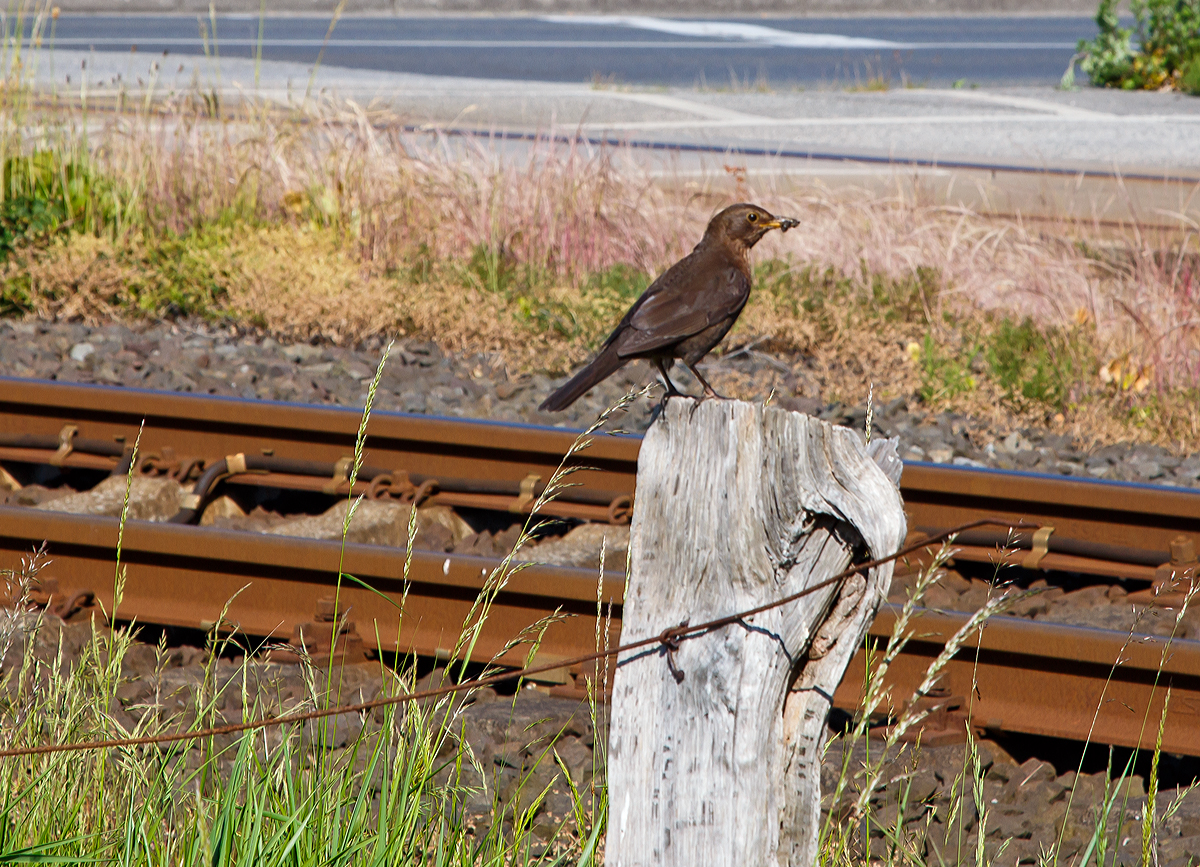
<point>739,505</point>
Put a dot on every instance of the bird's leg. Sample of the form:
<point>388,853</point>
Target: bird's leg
<point>672,391</point>
<point>709,391</point>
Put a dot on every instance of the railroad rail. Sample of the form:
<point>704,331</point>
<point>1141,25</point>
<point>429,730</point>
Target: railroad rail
<point>1020,676</point>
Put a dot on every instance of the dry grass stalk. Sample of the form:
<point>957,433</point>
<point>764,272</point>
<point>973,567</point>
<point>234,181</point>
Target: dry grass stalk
<point>338,224</point>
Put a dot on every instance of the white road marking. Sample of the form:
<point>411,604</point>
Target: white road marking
<point>675,103</point>
<point>726,30</point>
<point>1043,105</point>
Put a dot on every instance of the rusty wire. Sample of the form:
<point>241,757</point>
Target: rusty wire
<point>669,639</point>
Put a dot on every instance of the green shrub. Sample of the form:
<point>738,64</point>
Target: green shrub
<point>1108,59</point>
<point>1189,76</point>
<point>492,267</point>
<point>16,299</point>
<point>1168,36</point>
<point>623,282</point>
<point>43,194</point>
<point>178,274</point>
<point>945,372</point>
<point>35,203</point>
<point>829,300</point>
<point>1031,365</point>
<point>905,300</point>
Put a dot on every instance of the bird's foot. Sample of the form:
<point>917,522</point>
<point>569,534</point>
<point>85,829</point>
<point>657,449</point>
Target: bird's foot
<point>671,391</point>
<point>683,395</point>
<point>663,402</point>
<point>709,391</point>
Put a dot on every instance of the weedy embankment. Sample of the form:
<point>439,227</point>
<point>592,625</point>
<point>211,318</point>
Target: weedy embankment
<point>332,223</point>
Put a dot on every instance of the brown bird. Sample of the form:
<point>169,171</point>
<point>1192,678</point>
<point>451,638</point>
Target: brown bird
<point>687,310</point>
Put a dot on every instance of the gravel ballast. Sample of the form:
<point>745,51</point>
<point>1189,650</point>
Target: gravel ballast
<point>200,358</point>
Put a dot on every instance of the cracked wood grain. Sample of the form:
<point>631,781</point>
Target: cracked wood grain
<point>738,505</point>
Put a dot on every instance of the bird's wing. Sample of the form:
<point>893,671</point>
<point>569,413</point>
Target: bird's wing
<point>679,306</point>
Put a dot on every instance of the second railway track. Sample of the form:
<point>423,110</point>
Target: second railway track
<point>1025,676</point>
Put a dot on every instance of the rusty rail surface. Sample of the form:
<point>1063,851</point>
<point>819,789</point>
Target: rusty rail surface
<point>184,576</point>
<point>1115,529</point>
<point>1030,677</point>
<point>1053,679</point>
<point>302,447</point>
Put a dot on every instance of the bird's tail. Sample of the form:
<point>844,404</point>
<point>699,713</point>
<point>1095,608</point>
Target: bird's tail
<point>603,365</point>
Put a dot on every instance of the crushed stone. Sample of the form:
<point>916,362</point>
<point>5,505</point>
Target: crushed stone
<point>420,377</point>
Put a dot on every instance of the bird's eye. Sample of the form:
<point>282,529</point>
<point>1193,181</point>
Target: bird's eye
<point>753,218</point>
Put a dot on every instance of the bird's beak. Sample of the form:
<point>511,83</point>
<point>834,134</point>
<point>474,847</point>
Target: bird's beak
<point>782,223</point>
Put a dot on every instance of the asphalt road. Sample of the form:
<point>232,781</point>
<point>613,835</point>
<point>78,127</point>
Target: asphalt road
<point>734,54</point>
<point>1007,140</point>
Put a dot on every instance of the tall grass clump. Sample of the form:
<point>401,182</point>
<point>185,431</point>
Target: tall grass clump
<point>853,817</point>
<point>883,810</point>
<point>394,795</point>
<point>395,790</point>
